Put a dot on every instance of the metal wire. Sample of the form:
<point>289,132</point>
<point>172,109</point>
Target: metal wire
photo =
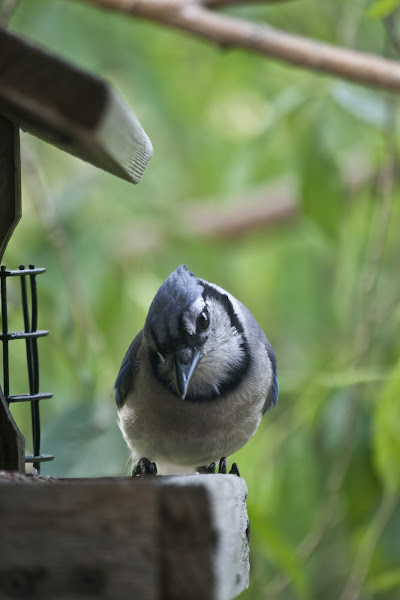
<point>30,335</point>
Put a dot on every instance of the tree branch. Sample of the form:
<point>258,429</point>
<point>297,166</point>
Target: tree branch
<point>267,206</point>
<point>227,31</point>
<point>222,3</point>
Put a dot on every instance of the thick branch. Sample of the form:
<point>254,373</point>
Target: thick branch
<point>256,210</point>
<point>228,31</point>
<point>222,3</point>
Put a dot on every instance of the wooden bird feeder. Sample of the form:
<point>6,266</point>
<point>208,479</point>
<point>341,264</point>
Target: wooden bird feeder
<point>172,538</point>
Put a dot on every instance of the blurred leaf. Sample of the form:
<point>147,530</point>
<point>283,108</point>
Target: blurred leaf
<point>385,582</point>
<point>275,548</point>
<point>320,179</point>
<point>387,432</point>
<point>348,291</point>
<point>367,105</point>
<point>382,8</point>
<point>86,442</point>
<point>353,376</point>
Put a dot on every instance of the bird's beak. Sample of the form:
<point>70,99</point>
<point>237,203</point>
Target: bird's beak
<point>183,373</point>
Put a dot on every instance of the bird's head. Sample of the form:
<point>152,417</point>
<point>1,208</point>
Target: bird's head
<point>197,343</point>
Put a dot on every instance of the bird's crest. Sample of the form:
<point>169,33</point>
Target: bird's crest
<point>178,292</point>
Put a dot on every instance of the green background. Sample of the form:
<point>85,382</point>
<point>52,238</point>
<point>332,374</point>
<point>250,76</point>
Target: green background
<point>323,470</point>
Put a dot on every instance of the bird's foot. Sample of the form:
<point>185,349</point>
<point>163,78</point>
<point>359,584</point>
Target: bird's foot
<point>144,467</point>
<point>222,468</point>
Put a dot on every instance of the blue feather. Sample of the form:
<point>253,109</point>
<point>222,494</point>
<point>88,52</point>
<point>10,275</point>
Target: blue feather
<point>273,393</point>
<point>123,383</point>
<point>275,390</point>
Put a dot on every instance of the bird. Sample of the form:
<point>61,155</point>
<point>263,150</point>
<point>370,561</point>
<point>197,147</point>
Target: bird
<point>196,380</point>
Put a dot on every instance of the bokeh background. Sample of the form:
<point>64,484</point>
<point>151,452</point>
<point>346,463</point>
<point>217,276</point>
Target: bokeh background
<point>233,135</point>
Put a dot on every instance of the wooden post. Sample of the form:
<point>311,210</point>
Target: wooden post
<point>10,181</point>
<point>68,107</point>
<point>12,443</point>
<point>158,538</point>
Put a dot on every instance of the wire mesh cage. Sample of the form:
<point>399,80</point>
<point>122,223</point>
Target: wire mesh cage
<point>30,334</point>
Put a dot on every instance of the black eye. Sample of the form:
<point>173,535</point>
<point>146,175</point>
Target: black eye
<point>202,321</point>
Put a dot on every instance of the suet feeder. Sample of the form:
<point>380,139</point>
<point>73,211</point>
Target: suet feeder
<point>165,537</point>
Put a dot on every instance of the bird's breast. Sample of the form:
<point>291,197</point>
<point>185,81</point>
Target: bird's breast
<point>159,425</point>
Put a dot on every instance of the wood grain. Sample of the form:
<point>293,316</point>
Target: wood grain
<point>70,108</point>
<point>204,524</point>
<point>78,540</point>
<point>164,538</point>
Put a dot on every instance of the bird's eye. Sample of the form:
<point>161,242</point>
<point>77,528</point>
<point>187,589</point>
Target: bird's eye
<point>202,321</point>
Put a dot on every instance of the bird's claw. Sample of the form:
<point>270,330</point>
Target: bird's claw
<point>234,470</point>
<point>222,468</point>
<point>223,463</point>
<point>144,467</point>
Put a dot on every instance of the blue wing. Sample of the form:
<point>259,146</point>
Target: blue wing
<point>272,397</point>
<point>123,383</point>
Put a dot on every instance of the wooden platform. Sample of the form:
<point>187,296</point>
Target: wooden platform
<point>170,538</point>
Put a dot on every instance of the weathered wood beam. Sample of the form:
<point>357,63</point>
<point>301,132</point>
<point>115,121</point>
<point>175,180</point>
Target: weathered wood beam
<point>10,181</point>
<point>12,443</point>
<point>170,538</point>
<point>70,108</point>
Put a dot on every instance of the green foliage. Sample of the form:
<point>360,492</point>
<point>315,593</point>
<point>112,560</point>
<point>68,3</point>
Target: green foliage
<point>324,205</point>
<point>387,433</point>
<point>324,284</point>
<point>386,582</point>
<point>382,8</point>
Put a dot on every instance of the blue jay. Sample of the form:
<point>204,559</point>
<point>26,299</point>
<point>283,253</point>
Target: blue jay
<point>196,381</point>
